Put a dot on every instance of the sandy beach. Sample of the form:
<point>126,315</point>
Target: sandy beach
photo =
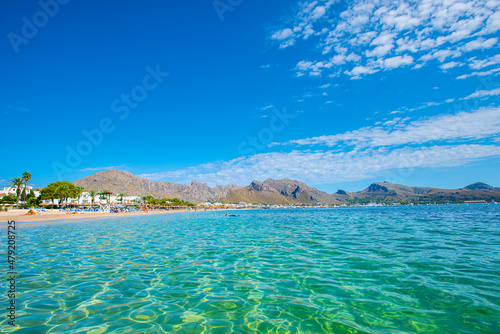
<point>56,215</point>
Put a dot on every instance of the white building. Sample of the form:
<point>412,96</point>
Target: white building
<point>13,191</point>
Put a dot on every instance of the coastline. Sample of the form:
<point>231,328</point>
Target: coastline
<point>55,216</point>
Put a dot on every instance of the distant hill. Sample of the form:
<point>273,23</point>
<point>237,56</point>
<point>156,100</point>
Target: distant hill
<point>284,191</point>
<point>256,192</point>
<point>395,190</point>
<point>385,191</point>
<point>118,181</point>
<point>479,186</point>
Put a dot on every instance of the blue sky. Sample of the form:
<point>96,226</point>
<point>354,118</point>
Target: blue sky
<point>336,94</point>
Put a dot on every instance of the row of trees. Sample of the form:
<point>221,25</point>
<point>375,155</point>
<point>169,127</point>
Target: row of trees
<point>62,190</point>
<point>166,201</point>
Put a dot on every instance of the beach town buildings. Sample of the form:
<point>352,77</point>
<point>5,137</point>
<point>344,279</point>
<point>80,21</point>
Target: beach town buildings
<point>86,199</point>
<point>13,191</point>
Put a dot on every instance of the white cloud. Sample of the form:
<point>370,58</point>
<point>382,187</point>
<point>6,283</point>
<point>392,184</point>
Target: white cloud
<point>451,64</point>
<point>282,34</point>
<point>318,12</point>
<point>397,61</point>
<point>265,67</point>
<point>376,32</point>
<point>383,39</point>
<point>353,57</point>
<point>397,112</point>
<point>480,43</point>
<point>422,106</point>
<point>493,23</point>
<point>312,68</point>
<point>478,64</point>
<point>301,27</point>
<point>440,141</point>
<point>358,71</point>
<point>338,59</point>
<point>267,107</point>
<point>495,71</point>
<point>483,93</point>
<point>304,65</point>
<point>379,51</point>
<point>287,43</point>
<point>327,166</point>
<point>465,125</point>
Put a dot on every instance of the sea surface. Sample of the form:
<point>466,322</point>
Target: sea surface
<point>422,269</point>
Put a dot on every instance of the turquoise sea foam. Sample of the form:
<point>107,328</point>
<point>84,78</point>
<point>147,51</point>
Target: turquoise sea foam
<point>427,269</point>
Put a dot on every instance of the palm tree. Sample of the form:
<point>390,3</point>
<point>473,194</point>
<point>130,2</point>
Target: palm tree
<point>92,196</point>
<point>79,191</point>
<point>26,178</point>
<point>64,191</point>
<point>121,195</point>
<point>17,182</point>
<point>103,191</point>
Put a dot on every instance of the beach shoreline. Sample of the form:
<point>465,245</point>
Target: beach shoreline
<point>55,216</point>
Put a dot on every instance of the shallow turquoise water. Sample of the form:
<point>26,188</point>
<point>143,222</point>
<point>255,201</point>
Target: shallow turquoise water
<point>429,269</point>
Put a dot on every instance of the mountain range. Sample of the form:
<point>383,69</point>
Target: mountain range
<point>391,192</point>
<point>117,181</point>
<point>283,191</point>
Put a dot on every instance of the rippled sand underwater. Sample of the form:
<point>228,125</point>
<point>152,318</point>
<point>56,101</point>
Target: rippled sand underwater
<point>428,269</point>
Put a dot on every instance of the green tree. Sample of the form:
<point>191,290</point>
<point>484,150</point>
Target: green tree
<point>17,182</point>
<point>148,199</point>
<point>78,192</point>
<point>92,194</point>
<point>67,190</point>
<point>8,199</point>
<point>26,178</point>
<point>61,190</point>
<point>33,200</point>
<point>48,193</point>
<point>120,195</point>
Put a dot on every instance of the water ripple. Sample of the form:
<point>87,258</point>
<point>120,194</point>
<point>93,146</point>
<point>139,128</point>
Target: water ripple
<point>379,270</point>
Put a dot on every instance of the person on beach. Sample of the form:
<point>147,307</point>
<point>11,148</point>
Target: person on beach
<point>30,213</point>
